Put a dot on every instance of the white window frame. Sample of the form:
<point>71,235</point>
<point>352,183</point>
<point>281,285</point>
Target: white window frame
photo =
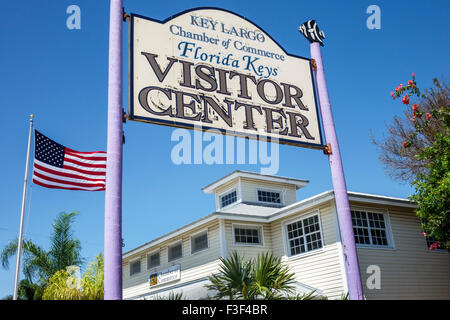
<point>280,191</point>
<point>134,261</point>
<point>248,226</point>
<point>152,253</point>
<point>173,244</point>
<point>222,194</point>
<point>196,235</point>
<point>388,229</point>
<point>287,248</point>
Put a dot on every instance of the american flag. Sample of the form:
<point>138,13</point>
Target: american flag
<point>59,167</point>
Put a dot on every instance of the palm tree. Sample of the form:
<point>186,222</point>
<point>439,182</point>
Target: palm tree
<point>38,264</point>
<point>234,278</point>
<point>262,278</point>
<point>271,280</point>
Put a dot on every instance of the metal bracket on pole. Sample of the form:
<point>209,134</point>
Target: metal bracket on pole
<point>327,149</point>
<point>125,15</point>
<point>124,116</point>
<point>314,64</point>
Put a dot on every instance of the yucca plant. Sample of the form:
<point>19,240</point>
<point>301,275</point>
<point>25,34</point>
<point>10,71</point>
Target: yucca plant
<point>171,296</point>
<point>270,279</point>
<point>307,296</point>
<point>264,277</point>
<point>234,278</point>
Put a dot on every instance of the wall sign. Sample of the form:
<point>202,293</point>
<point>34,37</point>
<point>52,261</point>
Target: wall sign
<point>166,275</point>
<point>212,68</point>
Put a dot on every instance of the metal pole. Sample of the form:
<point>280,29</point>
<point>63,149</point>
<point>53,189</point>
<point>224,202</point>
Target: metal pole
<point>22,213</point>
<point>113,192</point>
<point>339,185</point>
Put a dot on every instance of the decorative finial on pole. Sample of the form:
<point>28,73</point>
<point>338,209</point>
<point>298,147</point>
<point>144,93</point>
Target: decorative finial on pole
<point>31,117</point>
<point>311,31</point>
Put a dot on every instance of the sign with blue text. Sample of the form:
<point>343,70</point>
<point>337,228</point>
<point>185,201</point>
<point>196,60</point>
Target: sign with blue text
<point>210,69</point>
<point>170,274</point>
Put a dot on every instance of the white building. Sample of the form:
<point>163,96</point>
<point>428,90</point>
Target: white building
<point>259,213</point>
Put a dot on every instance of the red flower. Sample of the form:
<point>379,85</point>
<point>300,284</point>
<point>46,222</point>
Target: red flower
<point>424,234</point>
<point>405,99</point>
<point>428,116</point>
<point>404,144</point>
<point>413,75</point>
<point>410,82</point>
<point>392,95</point>
<point>415,107</point>
<point>435,245</point>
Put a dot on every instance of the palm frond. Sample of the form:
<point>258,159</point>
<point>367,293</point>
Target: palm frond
<point>234,278</point>
<point>65,249</point>
<point>36,262</point>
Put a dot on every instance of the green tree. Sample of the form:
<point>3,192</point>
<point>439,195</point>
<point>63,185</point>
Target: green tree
<point>417,149</point>
<point>264,277</point>
<point>93,279</point>
<point>64,286</point>
<point>38,264</point>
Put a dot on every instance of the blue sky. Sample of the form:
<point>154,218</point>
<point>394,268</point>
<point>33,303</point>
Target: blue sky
<point>60,76</point>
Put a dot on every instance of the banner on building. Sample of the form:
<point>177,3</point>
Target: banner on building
<point>166,275</point>
<point>214,69</point>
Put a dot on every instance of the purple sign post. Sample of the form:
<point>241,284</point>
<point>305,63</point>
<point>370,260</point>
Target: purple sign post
<point>113,193</point>
<point>311,31</point>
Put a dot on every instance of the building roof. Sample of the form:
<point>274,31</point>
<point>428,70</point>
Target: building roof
<point>298,183</point>
<point>255,216</point>
<point>250,209</point>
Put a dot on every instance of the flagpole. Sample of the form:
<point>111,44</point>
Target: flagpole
<point>113,192</point>
<point>22,213</point>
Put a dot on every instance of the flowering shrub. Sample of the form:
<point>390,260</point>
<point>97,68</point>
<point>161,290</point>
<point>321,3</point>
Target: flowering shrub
<point>419,123</point>
<point>432,185</point>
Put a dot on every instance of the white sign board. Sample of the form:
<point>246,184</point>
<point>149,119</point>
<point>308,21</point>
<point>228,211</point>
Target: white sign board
<point>166,275</point>
<point>213,69</point>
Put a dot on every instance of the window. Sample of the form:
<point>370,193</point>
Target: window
<point>175,252</point>
<point>199,242</point>
<point>369,228</point>
<point>153,260</point>
<point>135,267</point>
<point>228,199</point>
<point>248,235</point>
<point>269,196</point>
<point>304,235</point>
